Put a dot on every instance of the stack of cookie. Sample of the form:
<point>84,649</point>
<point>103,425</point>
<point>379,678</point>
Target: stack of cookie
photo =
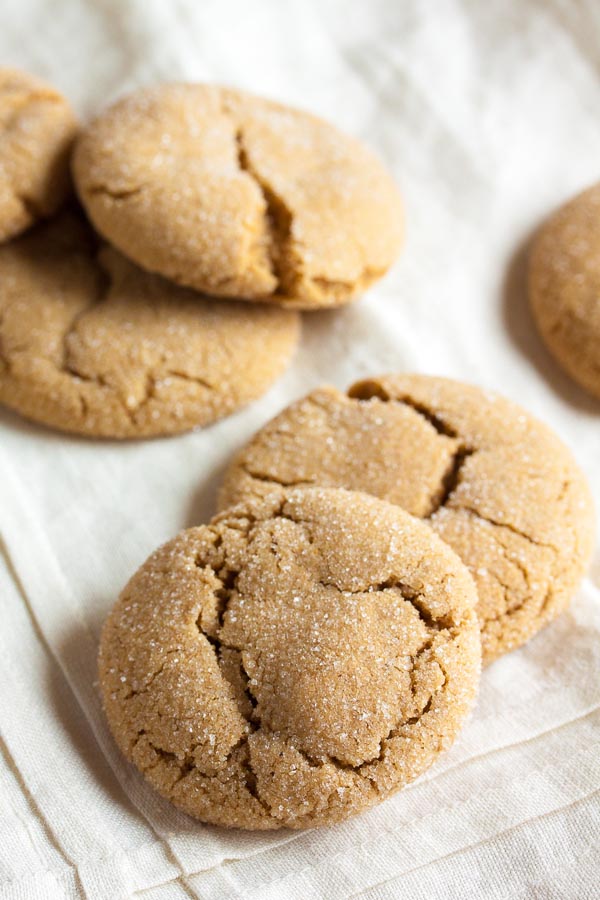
<point>202,199</point>
<point>315,646</point>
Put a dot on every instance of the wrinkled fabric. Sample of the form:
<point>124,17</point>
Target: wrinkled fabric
<point>487,113</point>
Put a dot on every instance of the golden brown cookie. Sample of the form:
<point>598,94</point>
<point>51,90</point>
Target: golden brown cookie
<point>495,484</point>
<point>295,661</point>
<point>564,287</point>
<point>37,129</point>
<point>91,344</point>
<point>238,196</point>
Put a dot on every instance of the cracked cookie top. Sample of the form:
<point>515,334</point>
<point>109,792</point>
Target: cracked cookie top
<point>293,662</point>
<point>496,484</point>
<point>564,287</point>
<point>238,196</point>
<point>90,343</point>
<point>37,129</point>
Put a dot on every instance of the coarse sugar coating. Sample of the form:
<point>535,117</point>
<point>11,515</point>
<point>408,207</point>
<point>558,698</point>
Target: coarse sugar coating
<point>91,344</point>
<point>564,287</point>
<point>37,129</point>
<point>293,662</point>
<point>238,196</point>
<point>496,484</point>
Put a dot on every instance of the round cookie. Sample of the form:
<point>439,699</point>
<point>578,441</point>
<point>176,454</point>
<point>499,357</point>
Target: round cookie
<point>37,129</point>
<point>91,344</point>
<point>292,663</point>
<point>237,196</point>
<point>564,287</point>
<point>493,482</point>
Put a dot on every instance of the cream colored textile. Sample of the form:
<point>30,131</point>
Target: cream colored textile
<point>488,115</point>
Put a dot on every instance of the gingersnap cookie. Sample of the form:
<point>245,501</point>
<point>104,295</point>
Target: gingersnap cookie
<point>293,662</point>
<point>237,196</point>
<point>564,287</point>
<point>90,343</point>
<point>37,129</point>
<point>497,485</point>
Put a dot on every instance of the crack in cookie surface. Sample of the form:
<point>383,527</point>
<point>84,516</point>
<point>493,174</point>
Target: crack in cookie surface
<point>521,617</point>
<point>278,220</point>
<point>418,601</point>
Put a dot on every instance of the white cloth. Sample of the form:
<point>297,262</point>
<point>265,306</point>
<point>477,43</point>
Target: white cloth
<point>488,115</point>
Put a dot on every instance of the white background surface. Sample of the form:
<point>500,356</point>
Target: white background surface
<point>488,114</point>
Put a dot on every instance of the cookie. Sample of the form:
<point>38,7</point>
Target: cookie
<point>237,196</point>
<point>292,663</point>
<point>37,129</point>
<point>91,344</point>
<point>564,287</point>
<point>491,480</point>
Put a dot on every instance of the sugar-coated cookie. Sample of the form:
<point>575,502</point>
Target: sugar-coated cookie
<point>293,662</point>
<point>90,343</point>
<point>494,483</point>
<point>564,287</point>
<point>237,196</point>
<point>37,129</point>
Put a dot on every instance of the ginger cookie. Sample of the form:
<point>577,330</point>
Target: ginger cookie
<point>492,481</point>
<point>237,196</point>
<point>293,662</point>
<point>90,343</point>
<point>37,129</point>
<point>564,287</point>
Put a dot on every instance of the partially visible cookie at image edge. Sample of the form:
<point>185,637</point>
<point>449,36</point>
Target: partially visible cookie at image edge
<point>293,662</point>
<point>564,287</point>
<point>37,130</point>
<point>91,344</point>
<point>238,196</point>
<point>495,483</point>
